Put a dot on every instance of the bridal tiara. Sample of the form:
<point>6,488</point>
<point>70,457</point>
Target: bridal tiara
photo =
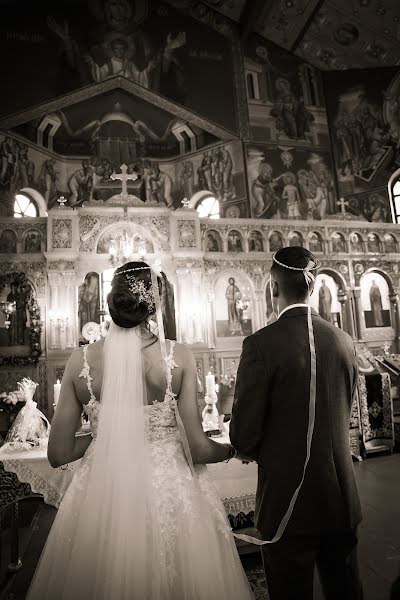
<point>137,286</point>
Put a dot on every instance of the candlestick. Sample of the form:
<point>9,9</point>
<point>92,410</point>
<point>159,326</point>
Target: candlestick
<point>57,389</point>
<point>210,384</point>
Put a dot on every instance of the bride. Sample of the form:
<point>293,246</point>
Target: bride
<point>141,519</point>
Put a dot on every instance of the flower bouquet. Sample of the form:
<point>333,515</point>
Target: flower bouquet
<point>30,428</point>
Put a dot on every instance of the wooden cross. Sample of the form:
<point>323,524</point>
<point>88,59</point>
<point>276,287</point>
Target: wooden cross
<point>124,176</point>
<point>342,203</point>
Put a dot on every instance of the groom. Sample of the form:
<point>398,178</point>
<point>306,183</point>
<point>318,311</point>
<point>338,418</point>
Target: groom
<point>270,420</point>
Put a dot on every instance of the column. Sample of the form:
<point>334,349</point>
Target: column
<point>394,301</point>
<point>63,310</point>
<point>53,341</point>
<point>210,317</point>
<point>259,316</point>
<point>181,277</point>
<point>357,312</point>
<point>347,317</point>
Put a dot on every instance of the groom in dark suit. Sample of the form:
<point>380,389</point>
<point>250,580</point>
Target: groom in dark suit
<point>270,421</point>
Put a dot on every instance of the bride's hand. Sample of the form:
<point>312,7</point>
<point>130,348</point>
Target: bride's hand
<point>245,459</point>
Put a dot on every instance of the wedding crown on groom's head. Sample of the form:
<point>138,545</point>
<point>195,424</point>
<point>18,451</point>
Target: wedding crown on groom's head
<point>312,265</point>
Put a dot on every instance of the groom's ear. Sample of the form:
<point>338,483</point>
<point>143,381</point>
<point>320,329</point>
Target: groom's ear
<point>275,289</point>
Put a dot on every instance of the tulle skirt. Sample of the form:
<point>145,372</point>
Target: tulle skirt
<point>196,557</point>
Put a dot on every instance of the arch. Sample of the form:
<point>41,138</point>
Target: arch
<point>8,241</point>
<point>32,241</point>
<point>125,226</point>
<point>197,197</point>
<point>390,243</point>
<point>373,242</point>
<point>256,241</point>
<point>338,277</point>
<point>394,196</point>
<point>375,299</point>
<point>356,242</point>
<point>235,240</point>
<point>277,243</point>
<point>329,296</point>
<point>383,273</point>
<point>209,205</point>
<point>38,198</point>
<point>315,242</point>
<point>212,241</point>
<point>338,242</point>
<point>296,239</point>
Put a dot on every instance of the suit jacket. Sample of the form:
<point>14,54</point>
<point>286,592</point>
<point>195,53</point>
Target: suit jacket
<point>270,419</point>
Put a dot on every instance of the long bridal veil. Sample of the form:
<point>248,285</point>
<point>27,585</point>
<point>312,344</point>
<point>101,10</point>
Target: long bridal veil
<point>117,547</point>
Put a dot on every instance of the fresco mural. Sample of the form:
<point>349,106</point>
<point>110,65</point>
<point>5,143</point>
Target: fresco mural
<point>219,170</point>
<point>146,42</point>
<point>286,100</point>
<point>290,183</point>
<point>370,206</point>
<point>364,115</point>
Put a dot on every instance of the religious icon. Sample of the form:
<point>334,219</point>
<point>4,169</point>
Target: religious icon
<point>338,243</point>
<point>233,295</point>
<point>390,243</point>
<point>33,241</point>
<point>213,242</point>
<point>325,299</point>
<point>325,302</point>
<point>233,307</point>
<point>8,242</point>
<point>356,243</point>
<point>296,239</point>
<point>373,243</point>
<point>375,300</point>
<point>234,241</point>
<point>18,318</point>
<point>256,242</point>
<point>275,241</point>
<point>316,243</point>
<point>89,300</point>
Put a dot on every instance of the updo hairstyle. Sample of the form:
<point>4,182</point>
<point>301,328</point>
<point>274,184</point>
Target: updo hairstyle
<point>125,308</point>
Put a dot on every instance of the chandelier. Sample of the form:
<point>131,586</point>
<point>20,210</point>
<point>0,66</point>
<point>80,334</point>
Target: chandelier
<point>8,308</point>
<point>124,248</point>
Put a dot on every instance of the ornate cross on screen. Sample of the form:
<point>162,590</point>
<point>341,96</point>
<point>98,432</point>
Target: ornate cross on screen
<point>124,177</point>
<point>342,203</point>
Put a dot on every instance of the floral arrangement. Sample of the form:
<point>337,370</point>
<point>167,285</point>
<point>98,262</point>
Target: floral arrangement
<point>228,380</point>
<point>12,402</point>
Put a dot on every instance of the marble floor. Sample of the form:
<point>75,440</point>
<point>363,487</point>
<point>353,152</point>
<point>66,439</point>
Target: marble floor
<point>378,479</point>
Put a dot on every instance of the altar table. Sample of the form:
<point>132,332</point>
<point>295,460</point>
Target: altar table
<point>29,473</point>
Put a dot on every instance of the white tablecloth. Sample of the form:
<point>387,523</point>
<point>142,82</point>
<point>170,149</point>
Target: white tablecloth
<point>235,482</point>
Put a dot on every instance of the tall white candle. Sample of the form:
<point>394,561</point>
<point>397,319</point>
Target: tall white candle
<point>210,384</point>
<point>57,389</point>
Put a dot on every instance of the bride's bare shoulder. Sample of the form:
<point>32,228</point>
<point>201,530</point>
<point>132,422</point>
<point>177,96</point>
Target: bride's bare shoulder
<point>183,355</point>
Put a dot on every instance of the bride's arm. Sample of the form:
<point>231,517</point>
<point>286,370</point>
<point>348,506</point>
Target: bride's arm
<point>63,446</point>
<point>202,448</point>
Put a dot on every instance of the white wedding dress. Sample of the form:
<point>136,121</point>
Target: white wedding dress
<point>197,555</point>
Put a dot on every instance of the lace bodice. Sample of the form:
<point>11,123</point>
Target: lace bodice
<point>160,416</point>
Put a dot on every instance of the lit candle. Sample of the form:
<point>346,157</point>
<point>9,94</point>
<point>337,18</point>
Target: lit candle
<point>57,389</point>
<point>210,384</point>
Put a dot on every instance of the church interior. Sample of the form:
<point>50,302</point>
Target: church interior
<point>201,136</point>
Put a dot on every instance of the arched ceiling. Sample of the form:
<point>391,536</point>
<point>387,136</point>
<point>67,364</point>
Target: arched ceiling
<point>330,34</point>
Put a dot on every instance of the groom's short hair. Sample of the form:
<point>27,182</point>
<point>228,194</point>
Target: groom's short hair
<point>292,283</point>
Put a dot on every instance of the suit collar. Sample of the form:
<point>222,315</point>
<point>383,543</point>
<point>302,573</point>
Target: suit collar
<point>297,311</point>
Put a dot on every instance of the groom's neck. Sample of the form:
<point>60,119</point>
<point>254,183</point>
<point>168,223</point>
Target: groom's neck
<point>285,302</point>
